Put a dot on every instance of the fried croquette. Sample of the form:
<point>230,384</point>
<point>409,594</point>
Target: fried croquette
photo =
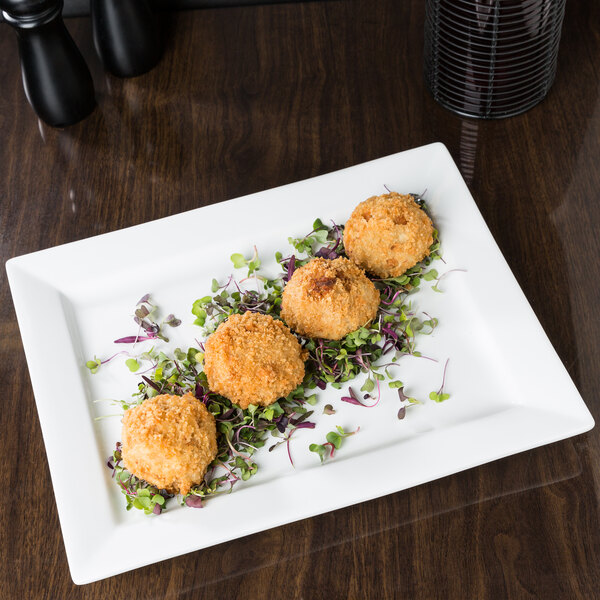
<point>386,235</point>
<point>169,441</point>
<point>328,299</point>
<point>253,359</point>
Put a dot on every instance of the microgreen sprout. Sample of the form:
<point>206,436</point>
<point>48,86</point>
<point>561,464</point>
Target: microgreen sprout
<point>435,287</point>
<point>144,317</point>
<point>132,364</point>
<point>94,365</point>
<point>290,425</point>
<point>440,395</point>
<point>319,234</point>
<point>354,399</point>
<point>403,398</point>
<point>253,263</point>
<point>333,443</point>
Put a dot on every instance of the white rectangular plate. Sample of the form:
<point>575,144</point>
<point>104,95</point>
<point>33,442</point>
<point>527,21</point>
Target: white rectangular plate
<point>73,300</point>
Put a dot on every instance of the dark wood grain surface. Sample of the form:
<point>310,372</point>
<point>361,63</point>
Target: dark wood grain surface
<point>251,98</point>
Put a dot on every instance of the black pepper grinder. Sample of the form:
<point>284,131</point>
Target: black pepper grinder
<point>126,36</point>
<point>56,78</point>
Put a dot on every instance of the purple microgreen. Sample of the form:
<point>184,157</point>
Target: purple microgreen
<point>193,502</point>
<point>297,421</point>
<point>133,339</point>
<point>142,312</point>
<point>403,397</point>
<point>291,267</point>
<point>306,425</point>
<point>151,383</point>
<point>282,423</point>
<point>172,321</point>
<point>352,398</point>
<point>402,413</point>
<point>287,445</point>
<point>287,441</point>
<point>328,410</point>
<point>327,253</point>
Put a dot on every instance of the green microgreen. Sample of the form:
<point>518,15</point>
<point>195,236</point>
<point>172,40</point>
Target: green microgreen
<point>132,364</point>
<point>440,395</point>
<point>93,365</point>
<point>253,263</point>
<point>333,443</point>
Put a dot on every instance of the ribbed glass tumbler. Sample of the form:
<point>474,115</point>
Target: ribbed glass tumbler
<point>491,58</point>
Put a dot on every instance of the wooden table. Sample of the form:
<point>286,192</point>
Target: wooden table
<point>251,98</point>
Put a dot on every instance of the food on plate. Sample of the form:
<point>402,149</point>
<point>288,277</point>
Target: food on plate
<point>388,234</point>
<point>328,299</point>
<point>169,441</point>
<point>253,359</point>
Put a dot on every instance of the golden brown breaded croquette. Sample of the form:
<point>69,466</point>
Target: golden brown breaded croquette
<point>328,299</point>
<point>253,359</point>
<point>386,235</point>
<point>169,441</point>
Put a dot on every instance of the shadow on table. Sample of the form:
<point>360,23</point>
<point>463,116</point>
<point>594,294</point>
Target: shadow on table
<point>490,490</point>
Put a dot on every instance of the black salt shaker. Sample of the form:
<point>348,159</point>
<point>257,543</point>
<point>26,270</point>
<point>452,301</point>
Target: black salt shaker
<point>56,78</point>
<point>126,36</point>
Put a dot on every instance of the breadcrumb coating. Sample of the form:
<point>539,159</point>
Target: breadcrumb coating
<point>329,299</point>
<point>388,234</point>
<point>253,359</point>
<point>169,441</point>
